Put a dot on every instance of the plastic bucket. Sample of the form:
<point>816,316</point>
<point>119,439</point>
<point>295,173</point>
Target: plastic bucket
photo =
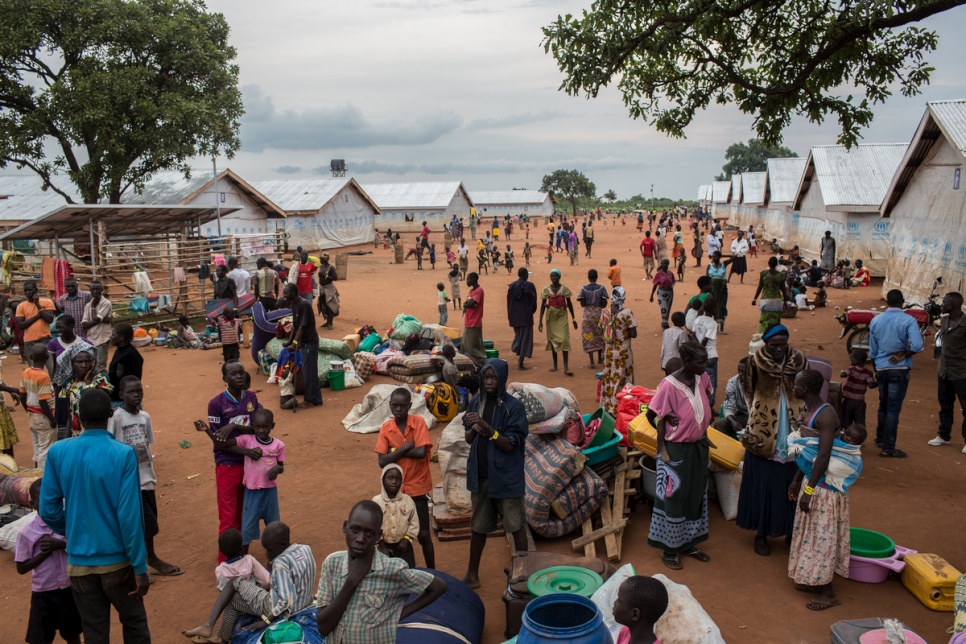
<point>337,380</point>
<point>606,429</point>
<point>562,617</point>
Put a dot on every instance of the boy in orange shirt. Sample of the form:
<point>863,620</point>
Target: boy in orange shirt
<point>36,394</point>
<point>614,274</point>
<point>404,440</point>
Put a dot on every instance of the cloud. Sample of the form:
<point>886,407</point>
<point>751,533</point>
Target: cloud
<point>288,169</point>
<point>419,5</point>
<point>337,126</point>
<point>499,166</point>
<point>512,120</point>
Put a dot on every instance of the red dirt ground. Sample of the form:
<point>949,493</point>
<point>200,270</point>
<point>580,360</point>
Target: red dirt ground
<point>749,597</point>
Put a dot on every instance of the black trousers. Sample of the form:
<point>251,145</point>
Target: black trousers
<point>949,392</point>
<point>853,411</point>
<point>94,596</point>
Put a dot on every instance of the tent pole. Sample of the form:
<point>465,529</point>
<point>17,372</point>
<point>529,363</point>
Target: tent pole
<point>57,246</point>
<point>93,251</point>
<point>214,167</point>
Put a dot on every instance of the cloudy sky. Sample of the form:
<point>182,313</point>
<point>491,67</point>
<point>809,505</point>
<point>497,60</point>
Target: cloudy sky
<point>409,90</point>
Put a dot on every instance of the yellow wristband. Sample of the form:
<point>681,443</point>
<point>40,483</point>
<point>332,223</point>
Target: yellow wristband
<point>809,490</point>
<point>408,538</point>
<point>495,435</point>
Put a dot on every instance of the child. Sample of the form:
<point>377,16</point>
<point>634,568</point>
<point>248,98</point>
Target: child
<point>821,296</point>
<point>450,257</point>
<point>508,259</point>
<point>694,308</point>
<point>432,256</point>
<point>845,462</point>
<point>483,258</point>
<point>614,274</point>
<point>528,234</point>
<point>549,253</point>
<point>451,373</point>
<point>674,337</point>
<point>404,439</point>
<point>132,425</point>
<point>801,300</point>
<point>36,394</point>
<point>527,251</point>
<point>641,601</point>
<point>377,238</point>
<point>345,612</point>
<point>454,287</point>
<point>264,461</point>
<point>228,331</point>
<point>400,525</point>
<point>681,259</point>
<point>441,300</point>
<point>847,273</point>
<point>858,379</point>
<point>43,554</point>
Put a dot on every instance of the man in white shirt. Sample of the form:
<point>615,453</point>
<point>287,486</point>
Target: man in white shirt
<point>239,276</point>
<point>713,244</point>
<point>705,330</point>
<point>739,264</point>
<point>97,323</point>
<point>463,253</point>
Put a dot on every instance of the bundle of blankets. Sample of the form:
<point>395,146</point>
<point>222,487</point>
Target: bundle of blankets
<point>561,493</point>
<point>416,368</point>
<point>329,351</point>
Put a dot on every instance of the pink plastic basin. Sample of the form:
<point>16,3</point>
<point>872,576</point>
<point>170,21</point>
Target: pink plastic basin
<point>875,571</point>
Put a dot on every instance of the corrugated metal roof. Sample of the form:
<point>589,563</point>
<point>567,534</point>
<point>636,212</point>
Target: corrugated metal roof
<point>169,186</point>
<point>856,177</point>
<point>951,117</point>
<point>721,191</point>
<point>22,197</point>
<point>736,189</point>
<point>753,187</point>
<point>301,195</point>
<point>432,195</point>
<point>703,192</point>
<point>784,175</point>
<point>508,197</point>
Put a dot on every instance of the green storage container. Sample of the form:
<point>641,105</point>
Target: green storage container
<point>564,579</point>
<point>337,380</point>
<point>492,353</point>
<point>604,452</point>
<point>870,544</point>
<point>488,344</point>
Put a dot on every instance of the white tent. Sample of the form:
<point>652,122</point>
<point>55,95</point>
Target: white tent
<point>405,206</point>
<point>532,203</point>
<point>925,202</point>
<point>720,198</point>
<point>783,176</point>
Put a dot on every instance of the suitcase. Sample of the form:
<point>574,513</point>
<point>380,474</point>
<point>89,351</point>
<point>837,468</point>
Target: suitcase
<point>850,631</point>
<point>932,580</point>
<point>517,597</point>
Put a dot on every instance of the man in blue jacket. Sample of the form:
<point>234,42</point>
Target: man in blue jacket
<point>91,493</point>
<point>496,429</point>
<point>894,338</point>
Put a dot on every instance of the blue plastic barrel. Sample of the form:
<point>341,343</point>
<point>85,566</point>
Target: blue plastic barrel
<point>563,617</point>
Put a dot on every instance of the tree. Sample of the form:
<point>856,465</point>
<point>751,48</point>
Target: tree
<point>569,185</point>
<point>750,157</point>
<point>119,88</point>
<point>610,196</point>
<point>774,59</point>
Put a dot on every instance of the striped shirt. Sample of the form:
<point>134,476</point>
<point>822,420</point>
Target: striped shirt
<point>858,381</point>
<point>228,330</point>
<point>293,578</point>
<point>75,308</point>
<point>35,383</point>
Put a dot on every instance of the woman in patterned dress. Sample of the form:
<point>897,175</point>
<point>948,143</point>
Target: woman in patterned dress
<point>75,374</point>
<point>555,301</point>
<point>664,287</point>
<point>619,328</point>
<point>593,299</point>
<point>771,288</point>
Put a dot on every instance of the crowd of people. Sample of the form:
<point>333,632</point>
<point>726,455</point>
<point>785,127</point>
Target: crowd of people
<point>92,546</point>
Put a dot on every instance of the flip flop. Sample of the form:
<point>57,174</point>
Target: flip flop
<point>893,453</point>
<point>819,605</point>
<point>170,572</point>
<point>694,553</point>
<point>568,373</point>
<point>671,561</point>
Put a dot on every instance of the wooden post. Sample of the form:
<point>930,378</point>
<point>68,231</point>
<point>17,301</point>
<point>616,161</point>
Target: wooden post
<point>93,251</point>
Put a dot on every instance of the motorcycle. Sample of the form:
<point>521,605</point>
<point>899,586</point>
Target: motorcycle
<point>855,322</point>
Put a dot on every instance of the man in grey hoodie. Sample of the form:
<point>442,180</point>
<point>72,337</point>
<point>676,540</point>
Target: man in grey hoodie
<point>496,429</point>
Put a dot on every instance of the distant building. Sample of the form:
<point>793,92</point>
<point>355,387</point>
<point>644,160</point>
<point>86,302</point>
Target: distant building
<point>405,206</point>
<point>532,203</point>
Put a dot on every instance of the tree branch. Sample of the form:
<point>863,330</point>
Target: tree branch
<point>47,185</point>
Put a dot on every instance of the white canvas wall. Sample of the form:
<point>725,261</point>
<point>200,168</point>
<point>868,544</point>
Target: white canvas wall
<point>928,233</point>
<point>347,220</point>
<point>251,219</point>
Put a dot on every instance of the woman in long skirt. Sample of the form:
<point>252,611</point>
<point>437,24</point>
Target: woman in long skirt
<point>717,271</point>
<point>771,288</point>
<point>664,288</point>
<point>679,521</point>
<point>555,301</point>
<point>593,299</point>
<point>619,328</point>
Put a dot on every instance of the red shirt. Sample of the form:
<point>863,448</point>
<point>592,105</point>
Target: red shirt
<point>474,317</point>
<point>417,479</point>
<point>425,232</point>
<point>304,280</point>
<point>647,246</point>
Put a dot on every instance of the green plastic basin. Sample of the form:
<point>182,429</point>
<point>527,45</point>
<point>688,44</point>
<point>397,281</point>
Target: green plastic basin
<point>606,429</point>
<point>871,544</point>
<point>564,579</point>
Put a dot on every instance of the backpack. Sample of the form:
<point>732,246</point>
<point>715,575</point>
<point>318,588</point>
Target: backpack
<point>443,402</point>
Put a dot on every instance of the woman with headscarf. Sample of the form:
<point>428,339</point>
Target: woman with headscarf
<point>660,245</point>
<point>771,288</point>
<point>620,328</point>
<point>681,412</point>
<point>328,293</point>
<point>75,374</point>
<point>718,272</point>
<point>664,287</point>
<point>768,470</point>
<point>555,301</point>
<point>593,299</point>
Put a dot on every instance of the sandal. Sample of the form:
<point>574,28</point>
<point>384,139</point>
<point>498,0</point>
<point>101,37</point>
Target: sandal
<point>891,453</point>
<point>696,554</point>
<point>822,604</point>
<point>672,561</point>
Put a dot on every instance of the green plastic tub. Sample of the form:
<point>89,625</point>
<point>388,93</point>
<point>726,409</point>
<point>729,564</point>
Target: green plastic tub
<point>337,380</point>
<point>871,544</point>
<point>606,430</point>
<point>564,579</point>
<point>603,452</point>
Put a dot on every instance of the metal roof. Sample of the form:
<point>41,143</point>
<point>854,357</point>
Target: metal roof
<point>171,187</point>
<point>702,191</point>
<point>118,220</point>
<point>509,197</point>
<point>941,118</point>
<point>708,191</point>
<point>721,191</point>
<point>851,180</point>
<point>784,175</point>
<point>308,195</point>
<point>736,188</point>
<point>23,198</point>
<point>753,187</point>
<point>427,195</point>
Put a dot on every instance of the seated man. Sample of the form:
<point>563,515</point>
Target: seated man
<point>362,592</point>
<point>293,576</point>
<point>734,415</point>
